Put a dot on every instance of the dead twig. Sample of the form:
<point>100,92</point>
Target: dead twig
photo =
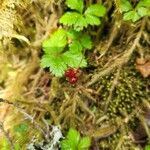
<point>121,60</point>
<point>27,116</point>
<point>114,84</point>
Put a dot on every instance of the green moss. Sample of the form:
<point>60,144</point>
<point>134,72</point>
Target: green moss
<point>127,95</point>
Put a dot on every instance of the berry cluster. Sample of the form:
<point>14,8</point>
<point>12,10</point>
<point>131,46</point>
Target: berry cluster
<point>71,75</point>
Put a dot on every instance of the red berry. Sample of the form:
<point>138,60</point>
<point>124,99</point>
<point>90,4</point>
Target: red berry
<point>70,73</point>
<point>73,80</point>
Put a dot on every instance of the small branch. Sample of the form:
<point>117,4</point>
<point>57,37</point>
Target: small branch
<point>119,61</point>
<point>112,37</point>
<point>112,89</point>
<point>27,116</point>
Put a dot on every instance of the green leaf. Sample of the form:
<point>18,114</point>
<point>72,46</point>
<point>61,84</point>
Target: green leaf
<point>21,128</point>
<point>75,4</point>
<point>56,42</point>
<point>131,15</point>
<point>73,19</point>
<point>86,41</point>
<point>73,135</point>
<point>84,143</point>
<point>45,61</point>
<point>93,13</point>
<point>69,18</point>
<point>74,59</point>
<point>80,24</point>
<point>67,145</point>
<point>96,10</point>
<point>147,147</point>
<point>53,47</point>
<point>17,146</point>
<point>75,46</point>
<point>56,64</point>
<point>57,58</point>
<point>142,11</point>
<point>5,145</point>
<point>125,6</point>
<point>79,40</point>
<point>73,35</point>
<point>59,35</point>
<point>72,140</point>
<point>143,3</point>
<point>92,20</point>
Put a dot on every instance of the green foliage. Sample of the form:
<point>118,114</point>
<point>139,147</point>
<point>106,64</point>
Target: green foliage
<point>65,48</point>
<point>147,147</point>
<point>129,13</point>
<point>126,6</point>
<point>21,128</point>
<point>68,52</point>
<point>75,5</point>
<point>79,19</point>
<point>5,144</point>
<point>17,146</point>
<point>74,141</point>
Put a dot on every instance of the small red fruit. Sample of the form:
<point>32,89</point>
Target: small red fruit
<point>73,80</point>
<point>70,73</point>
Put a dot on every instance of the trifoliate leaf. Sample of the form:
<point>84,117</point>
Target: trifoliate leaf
<point>74,59</point>
<point>86,41</point>
<point>96,10</point>
<point>131,15</point>
<point>142,11</point>
<point>75,4</point>
<point>125,6</point>
<point>84,143</point>
<point>92,20</point>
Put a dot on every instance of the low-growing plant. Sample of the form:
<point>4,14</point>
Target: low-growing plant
<point>65,48</point>
<point>135,13</point>
<point>78,18</point>
<point>74,141</point>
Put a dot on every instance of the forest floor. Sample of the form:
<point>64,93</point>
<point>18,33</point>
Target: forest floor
<point>110,101</point>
